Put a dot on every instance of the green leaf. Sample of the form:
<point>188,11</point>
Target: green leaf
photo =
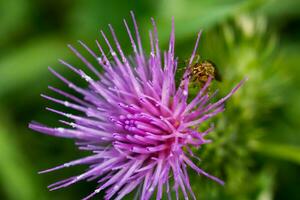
<point>16,176</point>
<point>191,16</point>
<point>279,151</point>
<point>278,8</point>
<point>28,63</point>
<point>13,17</point>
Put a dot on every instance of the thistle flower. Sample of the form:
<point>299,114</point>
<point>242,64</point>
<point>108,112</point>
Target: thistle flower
<point>138,126</point>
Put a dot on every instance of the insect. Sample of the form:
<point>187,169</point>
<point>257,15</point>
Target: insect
<point>200,71</point>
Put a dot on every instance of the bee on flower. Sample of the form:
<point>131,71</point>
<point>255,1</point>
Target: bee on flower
<point>137,125</point>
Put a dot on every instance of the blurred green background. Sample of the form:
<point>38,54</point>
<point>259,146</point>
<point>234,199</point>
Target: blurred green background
<point>256,143</point>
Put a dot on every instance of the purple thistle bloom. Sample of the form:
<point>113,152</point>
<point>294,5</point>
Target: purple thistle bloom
<point>137,125</point>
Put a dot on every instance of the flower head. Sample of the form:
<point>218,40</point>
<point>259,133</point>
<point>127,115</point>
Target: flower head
<point>138,126</point>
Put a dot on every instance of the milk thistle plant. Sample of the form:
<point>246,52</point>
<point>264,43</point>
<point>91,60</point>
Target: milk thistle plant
<point>139,126</point>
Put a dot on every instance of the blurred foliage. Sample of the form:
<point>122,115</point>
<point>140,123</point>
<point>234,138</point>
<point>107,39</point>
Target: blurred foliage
<point>255,146</point>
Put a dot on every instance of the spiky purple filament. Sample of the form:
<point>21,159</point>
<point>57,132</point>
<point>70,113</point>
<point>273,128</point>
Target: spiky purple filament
<point>136,123</point>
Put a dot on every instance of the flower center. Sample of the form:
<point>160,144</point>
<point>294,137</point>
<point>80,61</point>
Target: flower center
<point>146,134</point>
